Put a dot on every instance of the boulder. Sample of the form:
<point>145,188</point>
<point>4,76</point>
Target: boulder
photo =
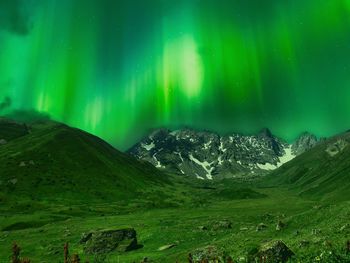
<point>275,252</point>
<point>3,141</point>
<point>261,227</point>
<point>107,241</point>
<point>166,247</point>
<point>209,254</point>
<point>280,225</point>
<point>222,225</point>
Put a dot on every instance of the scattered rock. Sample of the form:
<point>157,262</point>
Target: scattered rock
<point>3,141</point>
<point>244,229</point>
<point>202,228</point>
<point>13,181</point>
<point>222,224</point>
<point>261,227</point>
<point>208,254</point>
<point>280,225</point>
<point>304,243</point>
<point>275,252</point>
<point>106,241</point>
<point>268,217</point>
<point>22,164</point>
<point>85,237</point>
<point>166,247</point>
<point>344,227</point>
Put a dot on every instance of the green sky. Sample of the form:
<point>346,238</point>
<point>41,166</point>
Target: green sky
<point>121,68</point>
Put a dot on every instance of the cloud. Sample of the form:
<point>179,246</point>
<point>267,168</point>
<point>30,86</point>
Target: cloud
<point>13,17</point>
<point>6,103</point>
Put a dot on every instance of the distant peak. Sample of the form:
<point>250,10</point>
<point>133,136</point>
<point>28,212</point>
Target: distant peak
<point>265,132</point>
<point>307,135</point>
<point>159,132</point>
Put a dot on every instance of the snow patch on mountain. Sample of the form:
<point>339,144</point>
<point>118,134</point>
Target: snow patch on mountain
<point>148,147</point>
<point>288,156</point>
<point>206,166</point>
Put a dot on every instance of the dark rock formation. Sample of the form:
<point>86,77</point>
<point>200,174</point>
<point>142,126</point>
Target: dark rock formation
<point>107,241</point>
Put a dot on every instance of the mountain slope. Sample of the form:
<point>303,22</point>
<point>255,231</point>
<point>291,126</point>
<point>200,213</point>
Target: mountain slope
<point>54,161</point>
<point>322,172</point>
<point>207,155</point>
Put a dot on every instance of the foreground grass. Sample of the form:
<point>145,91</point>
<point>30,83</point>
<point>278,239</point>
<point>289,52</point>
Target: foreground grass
<point>42,232</point>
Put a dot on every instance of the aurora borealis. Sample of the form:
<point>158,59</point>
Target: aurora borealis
<point>118,68</point>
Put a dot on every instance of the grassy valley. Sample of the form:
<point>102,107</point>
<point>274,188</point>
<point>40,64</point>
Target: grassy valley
<point>58,183</point>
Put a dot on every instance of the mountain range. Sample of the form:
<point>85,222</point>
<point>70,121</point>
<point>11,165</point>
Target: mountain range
<point>207,155</point>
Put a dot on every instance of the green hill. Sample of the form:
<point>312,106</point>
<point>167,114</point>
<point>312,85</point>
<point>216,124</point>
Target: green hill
<point>51,161</point>
<point>320,173</point>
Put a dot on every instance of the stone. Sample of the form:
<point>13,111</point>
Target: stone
<point>3,141</point>
<point>261,227</point>
<point>202,228</point>
<point>166,247</point>
<point>106,241</point>
<point>280,225</point>
<point>304,243</point>
<point>275,252</point>
<point>209,254</point>
<point>222,224</point>
<point>22,164</point>
<point>344,227</point>
<point>85,237</point>
<point>13,181</point>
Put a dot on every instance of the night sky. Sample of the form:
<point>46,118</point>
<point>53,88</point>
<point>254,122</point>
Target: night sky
<point>121,68</point>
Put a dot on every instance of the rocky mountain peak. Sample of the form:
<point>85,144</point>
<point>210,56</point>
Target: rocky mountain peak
<point>207,155</point>
<point>265,132</point>
<point>304,142</point>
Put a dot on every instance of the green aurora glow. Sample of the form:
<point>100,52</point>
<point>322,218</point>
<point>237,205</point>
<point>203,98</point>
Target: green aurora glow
<point>120,68</point>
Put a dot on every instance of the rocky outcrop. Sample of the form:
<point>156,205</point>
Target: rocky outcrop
<point>210,254</point>
<point>305,142</point>
<point>337,147</point>
<point>107,241</point>
<point>275,252</point>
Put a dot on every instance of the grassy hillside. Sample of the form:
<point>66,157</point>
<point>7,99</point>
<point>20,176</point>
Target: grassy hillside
<point>10,130</point>
<point>52,161</point>
<point>320,173</point>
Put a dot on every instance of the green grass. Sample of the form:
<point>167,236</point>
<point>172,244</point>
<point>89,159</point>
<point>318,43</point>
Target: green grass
<point>42,233</point>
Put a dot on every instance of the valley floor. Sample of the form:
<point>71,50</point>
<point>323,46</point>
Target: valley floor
<point>311,228</point>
